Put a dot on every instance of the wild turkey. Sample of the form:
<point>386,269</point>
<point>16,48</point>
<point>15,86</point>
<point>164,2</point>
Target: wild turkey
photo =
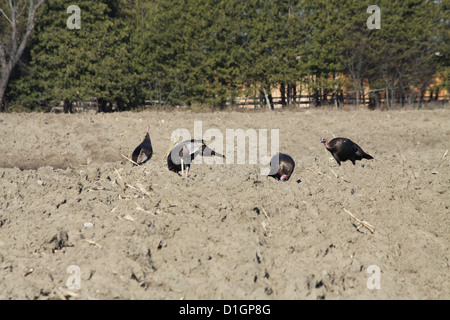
<point>281,166</point>
<point>144,151</point>
<point>344,149</point>
<point>183,154</point>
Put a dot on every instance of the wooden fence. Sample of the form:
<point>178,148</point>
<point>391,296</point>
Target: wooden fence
<point>371,98</point>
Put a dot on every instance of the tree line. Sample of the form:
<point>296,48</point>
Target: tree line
<point>209,52</point>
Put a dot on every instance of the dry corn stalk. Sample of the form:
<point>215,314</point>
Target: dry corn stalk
<point>182,168</point>
<point>117,172</point>
<point>314,171</point>
<point>129,159</point>
<point>361,223</point>
<point>170,150</point>
<point>333,172</point>
<point>92,242</point>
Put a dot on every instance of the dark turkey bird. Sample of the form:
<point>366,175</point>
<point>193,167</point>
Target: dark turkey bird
<point>281,166</point>
<point>144,151</point>
<point>181,156</point>
<point>344,149</point>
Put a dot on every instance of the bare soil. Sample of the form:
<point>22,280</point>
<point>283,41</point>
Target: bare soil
<point>69,198</point>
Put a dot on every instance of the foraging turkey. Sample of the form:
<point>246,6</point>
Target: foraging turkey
<point>144,151</point>
<point>344,149</point>
<point>281,166</point>
<point>181,156</point>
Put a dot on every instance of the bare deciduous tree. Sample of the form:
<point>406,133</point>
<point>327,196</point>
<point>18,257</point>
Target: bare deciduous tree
<point>13,39</point>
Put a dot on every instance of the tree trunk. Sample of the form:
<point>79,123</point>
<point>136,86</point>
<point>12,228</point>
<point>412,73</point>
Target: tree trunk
<point>267,99</point>
<point>363,98</point>
<point>3,85</point>
<point>9,56</point>
<point>357,95</point>
<point>294,93</point>
<point>6,72</point>
<point>386,97</point>
<point>291,94</point>
<point>436,95</point>
<point>422,97</point>
<point>283,94</point>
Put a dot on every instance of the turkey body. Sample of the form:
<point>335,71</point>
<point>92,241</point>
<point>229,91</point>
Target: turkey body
<point>344,149</point>
<point>281,166</point>
<point>144,151</point>
<point>181,156</point>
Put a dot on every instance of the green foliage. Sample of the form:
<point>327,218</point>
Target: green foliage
<point>75,64</point>
<point>209,52</point>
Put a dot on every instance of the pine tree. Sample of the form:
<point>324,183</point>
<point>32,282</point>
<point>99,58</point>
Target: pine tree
<point>15,29</point>
<point>75,64</point>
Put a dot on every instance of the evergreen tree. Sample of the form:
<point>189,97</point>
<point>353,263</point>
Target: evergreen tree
<point>403,51</point>
<point>17,20</point>
<point>75,64</point>
<point>326,23</point>
<point>184,52</point>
